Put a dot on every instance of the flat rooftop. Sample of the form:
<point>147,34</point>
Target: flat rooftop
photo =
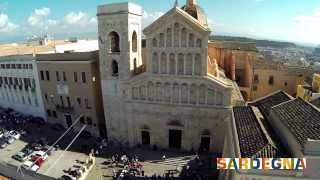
<point>24,48</point>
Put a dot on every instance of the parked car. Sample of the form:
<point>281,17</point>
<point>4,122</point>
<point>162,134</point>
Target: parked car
<point>10,139</point>
<point>29,165</point>
<point>15,134</point>
<point>20,156</point>
<point>38,160</point>
<point>3,144</point>
<point>1,132</point>
<point>41,154</point>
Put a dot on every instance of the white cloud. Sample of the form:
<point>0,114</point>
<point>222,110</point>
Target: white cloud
<point>39,17</point>
<point>308,27</point>
<point>6,26</point>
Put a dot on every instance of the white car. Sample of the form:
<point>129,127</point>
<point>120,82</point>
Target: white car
<point>29,165</point>
<point>15,134</point>
<point>41,154</point>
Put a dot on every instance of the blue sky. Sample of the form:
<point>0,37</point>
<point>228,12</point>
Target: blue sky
<point>289,20</point>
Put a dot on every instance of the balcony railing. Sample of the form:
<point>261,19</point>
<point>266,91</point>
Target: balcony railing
<point>64,109</point>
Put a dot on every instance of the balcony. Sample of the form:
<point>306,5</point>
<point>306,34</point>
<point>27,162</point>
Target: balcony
<point>64,109</point>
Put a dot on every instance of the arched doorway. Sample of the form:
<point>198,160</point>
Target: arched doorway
<point>205,141</point>
<point>145,135</point>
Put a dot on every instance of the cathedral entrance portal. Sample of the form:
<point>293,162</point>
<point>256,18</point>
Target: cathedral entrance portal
<point>145,137</point>
<point>205,144</point>
<point>175,138</point>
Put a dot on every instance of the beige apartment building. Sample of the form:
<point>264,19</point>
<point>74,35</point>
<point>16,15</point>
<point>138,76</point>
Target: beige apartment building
<point>70,86</point>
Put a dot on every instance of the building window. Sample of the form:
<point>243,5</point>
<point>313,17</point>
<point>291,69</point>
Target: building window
<point>271,80</point>
<point>41,75</point>
<point>61,101</point>
<point>54,114</point>
<point>155,63</point>
<point>69,101</point>
<point>79,101</point>
<point>86,101</point>
<point>134,41</point>
<point>191,40</point>
<point>114,42</point>
<point>48,75</point>
<point>75,76</point>
<point>285,84</point>
<point>161,43</point>
<point>57,76</point>
<point>83,76</point>
<point>30,66</point>
<point>256,78</point>
<point>115,68</point>
<point>48,113</point>
<point>154,42</point>
<point>64,76</point>
<point>255,88</point>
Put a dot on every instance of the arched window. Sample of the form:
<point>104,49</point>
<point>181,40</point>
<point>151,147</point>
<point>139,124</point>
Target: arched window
<point>167,90</point>
<point>115,68</point>
<point>142,92</point>
<point>184,37</point>
<point>163,63</point>
<point>172,64</point>
<point>211,96</point>
<point>169,37</point>
<point>150,91</point>
<point>189,64</point>
<point>176,34</point>
<point>154,42</point>
<point>197,65</point>
<point>134,42</point>
<point>175,93</point>
<point>155,63</point>
<point>219,98</point>
<point>184,93</point>
<point>161,40</point>
<point>202,94</point>
<point>134,64</point>
<point>199,43</point>
<point>191,40</point>
<point>135,93</point>
<point>159,93</point>
<point>114,39</point>
<point>193,94</point>
<point>181,64</point>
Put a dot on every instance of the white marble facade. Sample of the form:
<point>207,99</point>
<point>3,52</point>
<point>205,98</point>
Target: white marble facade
<point>175,103</point>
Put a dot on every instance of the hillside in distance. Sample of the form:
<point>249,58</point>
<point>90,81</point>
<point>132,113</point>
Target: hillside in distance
<point>259,43</point>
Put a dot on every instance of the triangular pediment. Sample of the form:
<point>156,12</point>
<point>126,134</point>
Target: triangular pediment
<point>176,11</point>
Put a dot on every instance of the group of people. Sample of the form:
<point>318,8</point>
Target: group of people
<point>131,166</point>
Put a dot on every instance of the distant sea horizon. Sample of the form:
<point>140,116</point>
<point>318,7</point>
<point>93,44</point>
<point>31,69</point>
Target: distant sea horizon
<point>93,35</point>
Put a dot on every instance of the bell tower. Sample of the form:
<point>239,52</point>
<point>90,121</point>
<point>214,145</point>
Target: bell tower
<point>119,29</point>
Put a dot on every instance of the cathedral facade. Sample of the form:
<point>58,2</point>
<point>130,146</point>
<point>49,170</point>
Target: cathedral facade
<point>173,98</point>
